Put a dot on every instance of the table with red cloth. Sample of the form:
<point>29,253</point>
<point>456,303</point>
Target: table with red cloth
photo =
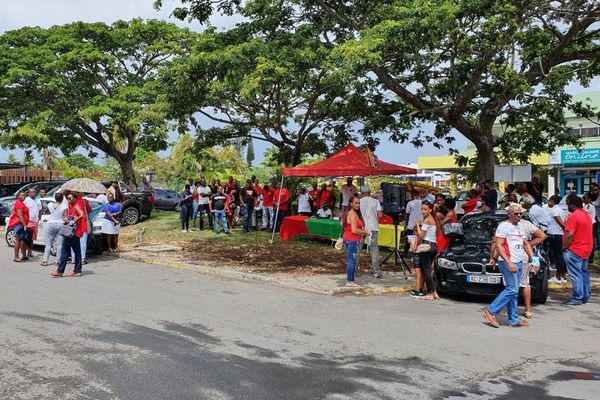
<point>293,225</point>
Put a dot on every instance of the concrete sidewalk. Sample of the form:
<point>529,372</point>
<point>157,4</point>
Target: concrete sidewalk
<point>327,284</point>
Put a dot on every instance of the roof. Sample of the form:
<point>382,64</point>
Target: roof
<point>592,98</point>
<point>350,161</point>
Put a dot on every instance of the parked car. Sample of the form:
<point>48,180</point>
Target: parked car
<point>94,227</point>
<point>135,205</point>
<point>165,199</point>
<point>463,269</point>
<point>7,202</point>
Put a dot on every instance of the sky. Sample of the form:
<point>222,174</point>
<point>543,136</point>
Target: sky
<point>45,13</point>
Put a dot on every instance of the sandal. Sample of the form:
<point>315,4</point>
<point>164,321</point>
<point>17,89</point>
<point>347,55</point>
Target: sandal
<point>528,314</point>
<point>74,275</point>
<point>56,274</point>
<point>426,297</point>
<point>44,263</point>
<point>17,260</point>
<point>352,284</point>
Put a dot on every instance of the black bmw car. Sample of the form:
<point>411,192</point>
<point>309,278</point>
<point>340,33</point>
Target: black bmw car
<point>463,269</point>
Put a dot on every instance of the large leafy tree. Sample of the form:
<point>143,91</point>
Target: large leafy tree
<point>463,65</point>
<point>269,81</point>
<point>90,86</point>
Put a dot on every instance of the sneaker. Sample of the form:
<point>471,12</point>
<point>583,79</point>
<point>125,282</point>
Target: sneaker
<point>555,280</point>
<point>572,302</point>
<point>183,231</point>
<point>564,281</point>
<point>585,301</point>
<point>378,276</point>
<point>552,267</point>
<point>416,293</point>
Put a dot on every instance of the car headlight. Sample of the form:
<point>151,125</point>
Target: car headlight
<point>447,264</point>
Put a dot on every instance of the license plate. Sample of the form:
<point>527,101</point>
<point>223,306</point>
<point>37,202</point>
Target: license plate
<point>491,280</point>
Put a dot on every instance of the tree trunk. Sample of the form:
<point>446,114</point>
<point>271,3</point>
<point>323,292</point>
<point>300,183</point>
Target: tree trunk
<point>296,155</point>
<point>126,164</point>
<point>487,158</point>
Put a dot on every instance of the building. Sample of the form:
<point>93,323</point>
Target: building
<point>564,171</point>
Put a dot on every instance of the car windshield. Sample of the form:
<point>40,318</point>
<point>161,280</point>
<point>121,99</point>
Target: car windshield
<point>480,229</point>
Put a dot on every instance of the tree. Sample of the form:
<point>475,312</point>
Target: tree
<point>89,85</point>
<point>275,87</point>
<point>12,159</point>
<point>250,153</point>
<point>463,65</point>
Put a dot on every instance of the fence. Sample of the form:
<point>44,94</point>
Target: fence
<point>27,174</point>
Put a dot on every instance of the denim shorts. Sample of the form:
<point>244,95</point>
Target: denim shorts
<point>22,232</point>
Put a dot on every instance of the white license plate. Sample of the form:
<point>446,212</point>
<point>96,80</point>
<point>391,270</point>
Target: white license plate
<point>492,280</point>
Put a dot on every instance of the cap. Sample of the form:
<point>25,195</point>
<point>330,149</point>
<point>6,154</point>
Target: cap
<point>365,188</point>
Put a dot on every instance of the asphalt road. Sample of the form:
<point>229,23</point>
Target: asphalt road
<point>126,330</point>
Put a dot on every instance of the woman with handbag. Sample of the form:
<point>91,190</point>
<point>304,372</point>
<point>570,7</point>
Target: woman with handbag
<point>445,215</point>
<point>426,232</point>
<point>71,232</point>
<point>57,210</point>
<point>353,227</point>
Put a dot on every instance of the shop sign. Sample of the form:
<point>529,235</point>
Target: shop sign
<point>583,156</point>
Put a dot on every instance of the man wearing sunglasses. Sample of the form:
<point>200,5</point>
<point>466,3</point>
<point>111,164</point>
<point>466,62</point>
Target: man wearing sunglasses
<point>514,251</point>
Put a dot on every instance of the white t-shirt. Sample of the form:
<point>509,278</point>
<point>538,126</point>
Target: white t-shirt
<point>304,203</point>
<point>539,217</point>
<point>553,226</point>
<point>203,190</point>
<point>34,209</point>
<point>514,241</point>
<point>369,208</point>
<point>324,213</point>
<point>591,210</point>
<point>347,192</point>
<point>57,212</point>
<point>413,210</point>
<point>430,232</point>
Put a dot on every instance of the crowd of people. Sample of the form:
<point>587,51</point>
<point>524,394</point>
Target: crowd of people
<point>68,225</point>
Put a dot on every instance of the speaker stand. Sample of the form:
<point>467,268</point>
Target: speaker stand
<point>399,260</point>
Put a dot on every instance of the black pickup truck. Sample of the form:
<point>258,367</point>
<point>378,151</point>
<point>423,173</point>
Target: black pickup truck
<point>135,205</point>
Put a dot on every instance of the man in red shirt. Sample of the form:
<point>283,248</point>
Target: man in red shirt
<point>268,217</point>
<point>577,247</point>
<point>314,195</point>
<point>326,196</point>
<point>282,200</point>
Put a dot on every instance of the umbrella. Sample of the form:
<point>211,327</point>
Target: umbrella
<point>83,185</point>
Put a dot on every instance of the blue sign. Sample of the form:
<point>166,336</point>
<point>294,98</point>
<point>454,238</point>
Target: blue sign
<point>585,156</point>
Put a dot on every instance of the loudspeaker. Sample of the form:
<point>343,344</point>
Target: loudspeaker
<point>394,198</point>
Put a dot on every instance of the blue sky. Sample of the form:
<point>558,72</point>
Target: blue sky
<point>45,13</point>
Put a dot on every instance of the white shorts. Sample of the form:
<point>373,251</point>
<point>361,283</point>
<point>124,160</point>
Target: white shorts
<point>524,279</point>
<point>109,227</point>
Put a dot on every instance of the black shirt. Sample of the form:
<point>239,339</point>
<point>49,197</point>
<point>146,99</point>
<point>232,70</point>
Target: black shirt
<point>218,201</point>
<point>248,195</point>
<point>491,199</point>
<point>187,202</point>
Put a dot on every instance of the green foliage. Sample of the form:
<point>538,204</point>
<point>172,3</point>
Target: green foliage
<point>12,159</point>
<point>462,65</point>
<point>273,86</point>
<point>88,85</point>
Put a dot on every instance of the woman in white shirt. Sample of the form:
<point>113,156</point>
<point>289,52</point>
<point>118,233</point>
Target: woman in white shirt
<point>57,219</point>
<point>426,232</point>
<point>304,203</point>
<point>555,233</point>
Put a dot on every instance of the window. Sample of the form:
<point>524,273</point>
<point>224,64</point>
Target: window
<point>590,132</point>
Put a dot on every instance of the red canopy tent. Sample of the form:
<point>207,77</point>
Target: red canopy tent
<point>350,161</point>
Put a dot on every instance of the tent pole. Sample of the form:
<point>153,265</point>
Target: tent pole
<point>277,211</point>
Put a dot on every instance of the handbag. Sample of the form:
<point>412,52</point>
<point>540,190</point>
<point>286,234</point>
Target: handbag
<point>453,230</point>
<point>67,231</point>
<point>339,244</point>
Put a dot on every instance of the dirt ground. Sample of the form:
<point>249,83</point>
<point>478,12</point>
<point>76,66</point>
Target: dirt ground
<point>248,252</point>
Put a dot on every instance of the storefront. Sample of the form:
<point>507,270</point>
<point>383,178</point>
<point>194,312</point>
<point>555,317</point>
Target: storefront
<point>578,169</point>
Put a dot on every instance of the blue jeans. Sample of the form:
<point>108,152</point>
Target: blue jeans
<point>220,216</point>
<point>69,244</point>
<point>509,296</point>
<point>82,247</point>
<point>352,253</point>
<point>185,214</point>
<point>268,216</point>
<point>195,210</point>
<point>247,210</point>
<point>580,276</point>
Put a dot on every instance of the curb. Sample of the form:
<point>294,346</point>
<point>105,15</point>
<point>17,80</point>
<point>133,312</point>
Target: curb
<point>246,277</point>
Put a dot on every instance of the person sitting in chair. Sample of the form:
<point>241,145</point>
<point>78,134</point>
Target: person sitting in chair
<point>324,212</point>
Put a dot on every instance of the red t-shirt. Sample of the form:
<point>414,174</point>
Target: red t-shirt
<point>471,204</point>
<point>315,196</point>
<point>580,224</point>
<point>84,205</point>
<point>326,197</point>
<point>268,197</point>
<point>285,198</point>
<point>14,218</point>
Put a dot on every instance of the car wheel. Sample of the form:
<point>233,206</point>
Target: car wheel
<point>131,216</point>
<point>178,207</point>
<point>11,237</point>
<point>541,299</point>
